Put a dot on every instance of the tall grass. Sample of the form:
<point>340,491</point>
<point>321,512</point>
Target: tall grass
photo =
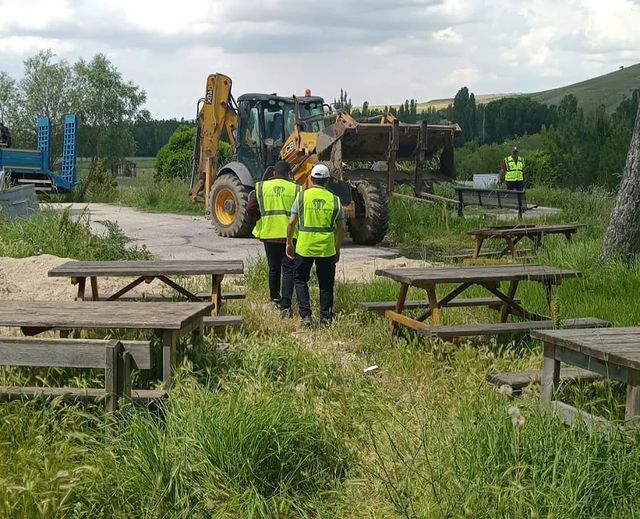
<point>165,197</point>
<point>61,234</point>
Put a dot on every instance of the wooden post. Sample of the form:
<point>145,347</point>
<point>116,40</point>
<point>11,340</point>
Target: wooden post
<point>402,296</point>
<point>548,290</point>
<point>124,376</point>
<point>422,148</point>
<point>632,407</point>
<point>81,282</point>
<point>391,161</point>
<point>216,294</point>
<point>511,294</point>
<point>512,248</point>
<point>550,375</point>
<point>169,345</point>
<point>436,317</point>
<point>94,288</point>
<point>479,242</point>
<point>113,350</point>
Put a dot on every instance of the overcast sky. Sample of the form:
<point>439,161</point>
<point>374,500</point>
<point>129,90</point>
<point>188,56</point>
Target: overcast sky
<point>383,51</point>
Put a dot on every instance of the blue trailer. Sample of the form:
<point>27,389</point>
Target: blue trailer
<point>35,166</point>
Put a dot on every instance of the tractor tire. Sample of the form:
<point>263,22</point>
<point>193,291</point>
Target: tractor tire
<point>371,221</point>
<point>229,200</point>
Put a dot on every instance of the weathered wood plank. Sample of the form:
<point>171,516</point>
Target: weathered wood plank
<point>477,274</point>
<point>520,379</point>
<point>165,298</point>
<point>75,393</point>
<point>99,315</point>
<point>220,321</point>
<point>147,268</point>
<point>407,321</point>
<point>521,231</point>
<point>381,306</point>
<point>469,330</point>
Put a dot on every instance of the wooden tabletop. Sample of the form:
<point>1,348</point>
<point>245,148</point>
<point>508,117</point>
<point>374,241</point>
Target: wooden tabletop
<point>146,268</point>
<point>526,229</point>
<point>475,274</point>
<point>100,315</point>
<point>619,346</point>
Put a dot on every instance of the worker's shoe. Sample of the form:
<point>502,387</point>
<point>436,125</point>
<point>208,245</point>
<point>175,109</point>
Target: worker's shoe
<point>286,313</point>
<point>325,322</point>
<point>307,322</point>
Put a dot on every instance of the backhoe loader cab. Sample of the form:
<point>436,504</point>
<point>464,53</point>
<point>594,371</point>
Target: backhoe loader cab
<point>265,122</point>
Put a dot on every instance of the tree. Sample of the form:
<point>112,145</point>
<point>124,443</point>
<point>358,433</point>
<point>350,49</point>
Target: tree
<point>344,101</point>
<point>7,95</point>
<point>107,102</point>
<point>623,234</point>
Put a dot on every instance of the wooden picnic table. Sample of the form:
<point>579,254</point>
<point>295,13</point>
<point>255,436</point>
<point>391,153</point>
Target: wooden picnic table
<point>611,352</point>
<point>513,234</point>
<point>147,271</point>
<point>488,277</point>
<point>169,321</point>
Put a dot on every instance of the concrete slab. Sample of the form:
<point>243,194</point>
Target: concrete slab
<point>182,237</point>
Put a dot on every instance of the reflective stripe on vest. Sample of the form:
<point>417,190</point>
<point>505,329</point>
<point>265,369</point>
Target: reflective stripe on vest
<point>318,211</point>
<point>275,198</point>
<point>514,169</point>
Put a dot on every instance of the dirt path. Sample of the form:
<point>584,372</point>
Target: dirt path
<point>173,236</point>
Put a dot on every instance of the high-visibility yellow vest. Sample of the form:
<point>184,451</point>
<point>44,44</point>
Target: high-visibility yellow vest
<point>318,211</point>
<point>513,173</point>
<point>275,198</point>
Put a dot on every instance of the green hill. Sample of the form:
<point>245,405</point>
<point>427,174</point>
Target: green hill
<point>609,89</point>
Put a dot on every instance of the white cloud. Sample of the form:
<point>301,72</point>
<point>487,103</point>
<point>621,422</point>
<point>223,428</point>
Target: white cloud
<point>460,77</point>
<point>448,35</point>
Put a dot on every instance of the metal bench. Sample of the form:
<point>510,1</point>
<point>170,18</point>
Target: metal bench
<point>508,328</point>
<point>503,198</point>
<point>381,306</point>
<point>117,358</point>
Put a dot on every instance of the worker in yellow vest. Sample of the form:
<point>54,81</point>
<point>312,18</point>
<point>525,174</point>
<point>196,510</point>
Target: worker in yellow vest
<point>274,199</point>
<point>319,218</point>
<point>512,171</point>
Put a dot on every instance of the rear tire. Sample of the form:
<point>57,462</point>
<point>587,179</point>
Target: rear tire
<point>371,223</point>
<point>229,200</point>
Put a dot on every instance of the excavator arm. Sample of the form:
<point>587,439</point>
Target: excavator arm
<point>217,113</point>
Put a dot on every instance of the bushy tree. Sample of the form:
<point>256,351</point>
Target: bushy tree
<point>174,160</point>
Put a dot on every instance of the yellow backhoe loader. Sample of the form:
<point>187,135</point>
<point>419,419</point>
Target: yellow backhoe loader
<point>265,128</point>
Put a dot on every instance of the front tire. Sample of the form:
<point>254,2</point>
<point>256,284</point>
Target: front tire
<point>371,221</point>
<point>229,200</point>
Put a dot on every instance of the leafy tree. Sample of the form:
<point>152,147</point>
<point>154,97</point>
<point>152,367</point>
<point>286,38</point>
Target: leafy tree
<point>7,95</point>
<point>174,160</point>
<point>344,101</point>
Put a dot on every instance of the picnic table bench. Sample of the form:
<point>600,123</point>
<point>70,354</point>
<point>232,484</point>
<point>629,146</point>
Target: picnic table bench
<point>147,271</point>
<point>116,358</point>
<point>513,234</point>
<point>613,353</point>
<point>488,277</point>
<point>502,198</point>
<point>169,321</point>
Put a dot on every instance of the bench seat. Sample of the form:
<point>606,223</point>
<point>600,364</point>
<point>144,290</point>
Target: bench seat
<point>518,380</point>
<point>381,306</point>
<point>205,296</point>
<point>221,321</point>
<point>470,330</point>
<point>76,394</point>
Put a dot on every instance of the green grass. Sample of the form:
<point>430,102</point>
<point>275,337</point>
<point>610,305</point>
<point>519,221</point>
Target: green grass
<point>61,234</point>
<point>287,424</point>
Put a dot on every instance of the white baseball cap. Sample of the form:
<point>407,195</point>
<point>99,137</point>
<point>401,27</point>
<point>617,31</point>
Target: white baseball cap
<point>320,171</point>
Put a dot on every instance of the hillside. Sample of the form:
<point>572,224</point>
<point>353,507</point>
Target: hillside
<point>609,89</point>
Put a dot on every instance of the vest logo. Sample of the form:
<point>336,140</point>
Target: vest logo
<point>278,191</point>
<point>318,204</point>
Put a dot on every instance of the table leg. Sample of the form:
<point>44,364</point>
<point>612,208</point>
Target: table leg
<point>632,407</point>
<point>216,294</point>
<point>479,242</point>
<point>551,304</point>
<point>81,282</point>
<point>169,345</point>
<point>402,296</point>
<point>512,248</point>
<point>511,294</point>
<point>434,306</point>
<point>550,375</point>
<point>94,288</point>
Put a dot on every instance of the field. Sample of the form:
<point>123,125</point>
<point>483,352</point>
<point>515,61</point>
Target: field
<point>285,423</point>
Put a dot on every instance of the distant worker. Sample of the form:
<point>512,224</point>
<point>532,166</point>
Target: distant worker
<point>273,199</point>
<point>319,218</point>
<point>512,171</point>
<point>5,136</point>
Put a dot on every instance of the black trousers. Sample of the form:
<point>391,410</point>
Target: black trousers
<point>326,272</point>
<point>515,185</point>
<point>281,273</point>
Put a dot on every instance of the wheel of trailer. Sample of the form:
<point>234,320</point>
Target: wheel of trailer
<point>371,221</point>
<point>229,199</point>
